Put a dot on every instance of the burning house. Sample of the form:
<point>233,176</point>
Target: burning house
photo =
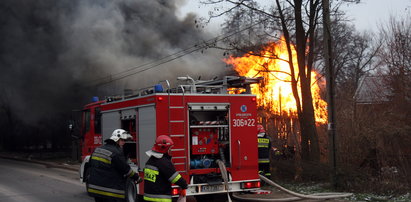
<point>276,103</point>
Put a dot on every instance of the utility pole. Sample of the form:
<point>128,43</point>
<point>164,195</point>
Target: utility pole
<point>330,90</point>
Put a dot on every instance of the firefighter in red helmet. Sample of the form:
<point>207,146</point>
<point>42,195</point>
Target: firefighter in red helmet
<point>264,147</point>
<point>160,173</point>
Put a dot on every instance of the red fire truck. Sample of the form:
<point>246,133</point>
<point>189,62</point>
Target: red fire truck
<point>206,122</point>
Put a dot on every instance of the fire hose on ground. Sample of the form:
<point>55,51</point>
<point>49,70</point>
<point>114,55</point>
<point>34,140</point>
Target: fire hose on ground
<point>296,196</point>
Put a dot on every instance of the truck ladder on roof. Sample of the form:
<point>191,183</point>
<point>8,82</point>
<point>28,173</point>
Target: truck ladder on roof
<point>177,130</point>
<point>221,86</point>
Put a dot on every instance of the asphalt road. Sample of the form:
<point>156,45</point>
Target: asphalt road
<point>30,182</point>
<point>25,181</point>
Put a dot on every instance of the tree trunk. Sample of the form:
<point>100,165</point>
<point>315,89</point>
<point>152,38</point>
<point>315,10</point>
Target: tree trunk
<point>309,137</point>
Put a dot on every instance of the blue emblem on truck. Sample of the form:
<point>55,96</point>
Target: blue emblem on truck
<point>243,108</point>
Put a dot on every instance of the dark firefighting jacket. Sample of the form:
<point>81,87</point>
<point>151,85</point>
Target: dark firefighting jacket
<point>264,145</point>
<point>159,175</point>
<point>109,171</point>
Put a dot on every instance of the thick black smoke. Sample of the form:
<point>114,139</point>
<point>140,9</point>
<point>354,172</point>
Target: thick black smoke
<point>51,50</point>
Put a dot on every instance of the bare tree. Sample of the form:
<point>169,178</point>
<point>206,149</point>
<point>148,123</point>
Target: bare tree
<point>383,119</point>
<point>395,58</point>
<point>354,55</point>
<point>395,63</point>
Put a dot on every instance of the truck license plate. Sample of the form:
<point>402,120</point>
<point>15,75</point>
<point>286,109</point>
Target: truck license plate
<point>212,188</point>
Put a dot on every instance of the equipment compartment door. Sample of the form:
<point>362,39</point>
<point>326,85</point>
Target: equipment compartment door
<point>146,132</point>
<point>110,122</point>
<point>209,135</point>
<point>244,139</point>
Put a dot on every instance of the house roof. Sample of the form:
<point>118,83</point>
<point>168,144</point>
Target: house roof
<point>372,90</point>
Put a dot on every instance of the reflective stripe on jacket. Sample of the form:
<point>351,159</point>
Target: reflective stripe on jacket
<point>263,142</point>
<point>159,198</point>
<point>263,160</point>
<point>264,145</point>
<point>106,191</point>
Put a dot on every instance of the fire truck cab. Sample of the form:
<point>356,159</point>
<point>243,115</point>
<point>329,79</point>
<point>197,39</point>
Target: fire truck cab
<point>213,129</point>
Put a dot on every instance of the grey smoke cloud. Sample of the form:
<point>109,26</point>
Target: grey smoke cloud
<point>120,35</point>
<point>50,50</point>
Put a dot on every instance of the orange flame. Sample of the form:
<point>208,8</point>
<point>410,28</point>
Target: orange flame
<point>275,93</point>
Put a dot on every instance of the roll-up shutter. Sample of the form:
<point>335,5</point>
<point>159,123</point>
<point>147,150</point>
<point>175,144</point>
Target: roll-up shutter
<point>110,122</point>
<point>146,132</point>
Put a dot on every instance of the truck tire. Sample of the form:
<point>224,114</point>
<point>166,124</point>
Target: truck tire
<point>131,191</point>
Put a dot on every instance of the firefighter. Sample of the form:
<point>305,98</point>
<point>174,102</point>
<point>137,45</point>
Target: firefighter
<point>109,169</point>
<point>264,146</point>
<point>160,173</point>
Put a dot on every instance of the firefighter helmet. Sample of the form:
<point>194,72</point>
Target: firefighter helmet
<point>260,129</point>
<point>162,144</point>
<point>120,134</point>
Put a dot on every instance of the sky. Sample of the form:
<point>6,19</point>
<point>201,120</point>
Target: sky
<point>370,14</point>
<point>366,16</point>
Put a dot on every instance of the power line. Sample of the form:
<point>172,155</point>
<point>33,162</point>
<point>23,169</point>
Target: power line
<point>143,65</point>
<point>165,59</point>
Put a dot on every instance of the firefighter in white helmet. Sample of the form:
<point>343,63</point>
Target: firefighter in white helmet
<point>160,173</point>
<point>109,169</point>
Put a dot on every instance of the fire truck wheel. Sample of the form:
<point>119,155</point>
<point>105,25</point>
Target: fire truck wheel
<point>131,191</point>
